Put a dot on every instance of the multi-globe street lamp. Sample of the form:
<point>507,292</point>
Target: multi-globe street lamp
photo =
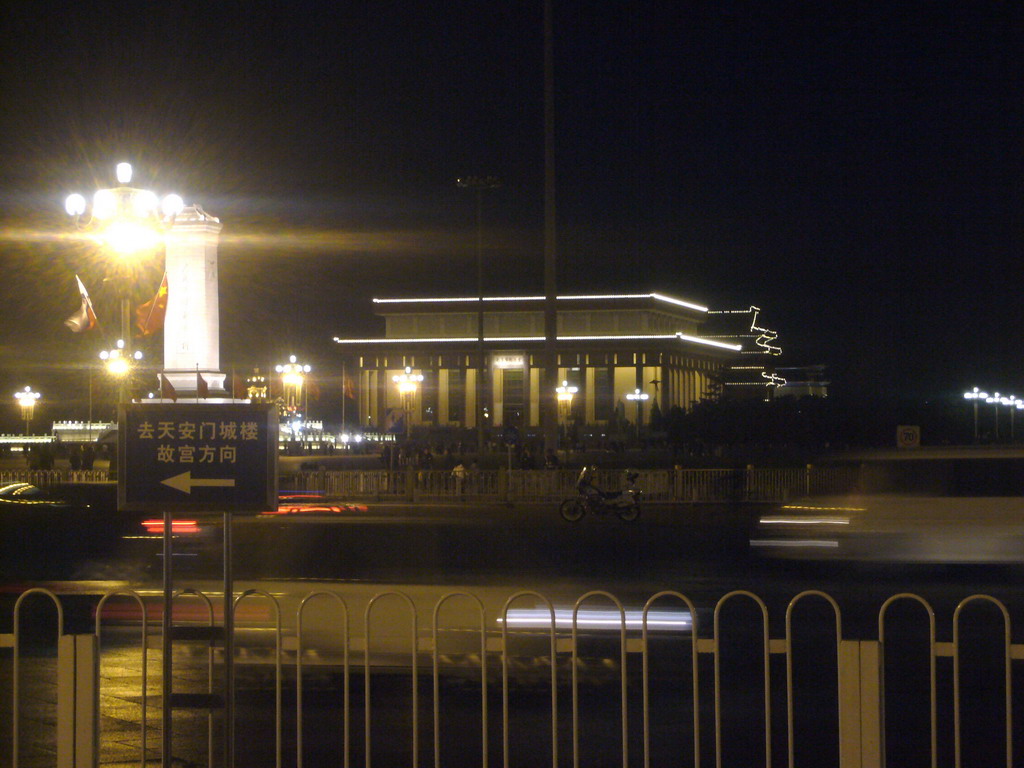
<point>994,401</point>
<point>975,395</point>
<point>638,397</point>
<point>565,394</point>
<point>407,383</point>
<point>1013,403</point>
<point>27,400</point>
<point>119,363</point>
<point>127,222</point>
<point>293,378</point>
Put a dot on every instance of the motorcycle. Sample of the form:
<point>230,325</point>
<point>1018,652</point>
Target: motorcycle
<point>624,503</point>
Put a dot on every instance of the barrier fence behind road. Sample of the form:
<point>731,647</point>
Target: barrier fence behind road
<point>660,485</point>
<point>514,678</point>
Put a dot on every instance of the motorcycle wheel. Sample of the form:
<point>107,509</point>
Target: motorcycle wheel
<point>629,513</point>
<point>571,510</point>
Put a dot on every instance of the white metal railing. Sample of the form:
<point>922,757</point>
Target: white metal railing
<point>527,638</point>
<point>658,485</point>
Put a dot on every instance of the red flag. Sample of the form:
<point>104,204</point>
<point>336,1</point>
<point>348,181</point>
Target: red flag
<point>350,388</point>
<point>85,318</point>
<point>202,388</point>
<point>167,390</point>
<point>149,317</point>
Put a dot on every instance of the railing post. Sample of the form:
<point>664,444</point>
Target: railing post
<point>860,704</point>
<point>77,701</point>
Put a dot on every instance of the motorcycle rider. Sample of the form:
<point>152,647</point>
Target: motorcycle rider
<point>585,485</point>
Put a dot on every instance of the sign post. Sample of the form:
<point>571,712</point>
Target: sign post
<point>197,457</point>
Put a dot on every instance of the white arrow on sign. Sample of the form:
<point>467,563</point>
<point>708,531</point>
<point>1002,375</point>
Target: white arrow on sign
<point>184,482</point>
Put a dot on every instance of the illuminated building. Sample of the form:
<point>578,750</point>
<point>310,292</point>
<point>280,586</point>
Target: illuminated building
<point>756,373</point>
<point>608,346</point>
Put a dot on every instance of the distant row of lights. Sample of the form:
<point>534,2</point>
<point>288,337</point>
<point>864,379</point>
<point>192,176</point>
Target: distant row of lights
<point>995,399</point>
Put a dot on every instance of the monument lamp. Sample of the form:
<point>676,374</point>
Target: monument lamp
<point>565,394</point>
<point>127,223</point>
<point>27,400</point>
<point>638,397</point>
<point>293,378</point>
<point>975,395</point>
<point>119,363</point>
<point>407,382</point>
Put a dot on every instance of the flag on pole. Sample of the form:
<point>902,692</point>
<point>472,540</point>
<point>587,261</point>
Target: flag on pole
<point>350,388</point>
<point>167,390</point>
<point>149,317</point>
<point>202,388</point>
<point>85,318</point>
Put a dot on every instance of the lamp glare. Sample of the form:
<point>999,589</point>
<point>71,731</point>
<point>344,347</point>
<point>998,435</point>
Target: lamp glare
<point>124,173</point>
<point>173,205</point>
<point>74,204</point>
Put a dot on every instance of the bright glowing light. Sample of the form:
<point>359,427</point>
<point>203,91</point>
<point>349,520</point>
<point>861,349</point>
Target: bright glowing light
<point>582,297</point>
<point>565,392</point>
<point>795,543</point>
<point>636,394</point>
<point>805,521</point>
<point>407,382</point>
<point>622,337</point>
<point>27,398</point>
<point>104,204</point>
<point>129,237</point>
<point>156,526</point>
<point>172,205</point>
<point>74,204</point>
<point>144,203</point>
<point>540,618</point>
<point>124,173</point>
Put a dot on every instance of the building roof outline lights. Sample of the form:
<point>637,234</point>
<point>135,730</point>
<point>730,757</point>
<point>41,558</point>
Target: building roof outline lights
<point>569,297</point>
<point>502,339</point>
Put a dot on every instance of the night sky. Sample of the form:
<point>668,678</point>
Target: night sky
<point>853,169</point>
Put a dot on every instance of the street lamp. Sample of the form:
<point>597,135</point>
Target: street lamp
<point>638,397</point>
<point>119,363</point>
<point>1013,403</point>
<point>479,184</point>
<point>293,377</point>
<point>994,402</point>
<point>27,400</point>
<point>126,221</point>
<point>564,394</point>
<point>975,396</point>
<point>407,383</point>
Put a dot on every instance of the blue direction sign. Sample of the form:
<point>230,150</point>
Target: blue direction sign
<point>196,457</point>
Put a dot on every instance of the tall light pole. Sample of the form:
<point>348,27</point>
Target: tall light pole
<point>479,184</point>
<point>994,401</point>
<point>126,222</point>
<point>407,382</point>
<point>975,395</point>
<point>638,397</point>
<point>548,408</point>
<point>27,400</point>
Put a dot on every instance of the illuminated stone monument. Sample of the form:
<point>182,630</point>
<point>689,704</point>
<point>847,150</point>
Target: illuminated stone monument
<point>192,324</point>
